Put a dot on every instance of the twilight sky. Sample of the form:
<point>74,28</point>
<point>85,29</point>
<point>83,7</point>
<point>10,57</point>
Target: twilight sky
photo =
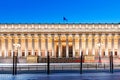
<point>53,11</point>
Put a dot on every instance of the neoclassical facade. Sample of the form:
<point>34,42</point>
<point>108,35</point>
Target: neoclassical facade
<point>60,40</point>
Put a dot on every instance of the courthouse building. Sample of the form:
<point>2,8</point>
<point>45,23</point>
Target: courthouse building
<point>60,40</point>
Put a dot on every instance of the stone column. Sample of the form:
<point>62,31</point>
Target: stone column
<point>100,45</point>
<point>86,45</point>
<point>80,45</point>
<point>19,48</point>
<point>33,45</point>
<point>12,46</point>
<point>106,46</point>
<point>0,47</point>
<point>67,46</point>
<point>73,43</point>
<point>59,46</point>
<point>39,46</point>
<point>93,45</point>
<point>118,45</point>
<point>46,45</point>
<point>113,45</point>
<point>53,46</point>
<point>6,47</point>
<point>26,46</point>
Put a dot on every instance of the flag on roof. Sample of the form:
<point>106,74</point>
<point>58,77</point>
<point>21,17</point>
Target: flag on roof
<point>65,19</point>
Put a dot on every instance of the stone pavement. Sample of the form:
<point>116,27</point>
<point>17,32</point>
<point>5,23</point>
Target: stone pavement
<point>62,76</point>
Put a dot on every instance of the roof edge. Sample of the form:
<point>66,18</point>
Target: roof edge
<point>59,23</point>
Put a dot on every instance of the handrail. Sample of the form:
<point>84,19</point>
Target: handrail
<point>37,64</point>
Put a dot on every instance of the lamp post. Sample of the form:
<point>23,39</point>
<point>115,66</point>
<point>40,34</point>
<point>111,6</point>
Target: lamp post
<point>16,46</point>
<point>99,45</point>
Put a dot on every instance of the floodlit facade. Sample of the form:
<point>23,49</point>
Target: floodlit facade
<point>60,40</point>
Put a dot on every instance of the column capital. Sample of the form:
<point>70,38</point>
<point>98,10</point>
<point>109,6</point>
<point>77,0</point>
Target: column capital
<point>103,34</point>
<point>49,35</point>
<point>83,34</point>
<point>116,34</point>
<point>110,34</point>
<point>89,35</point>
<point>22,36</point>
<point>42,35</point>
<point>55,35</point>
<point>76,34</point>
<point>35,35</point>
<point>96,34</point>
<point>28,36</point>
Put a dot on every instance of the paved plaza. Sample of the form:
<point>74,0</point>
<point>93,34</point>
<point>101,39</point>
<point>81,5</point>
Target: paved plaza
<point>62,76</point>
<point>66,72</point>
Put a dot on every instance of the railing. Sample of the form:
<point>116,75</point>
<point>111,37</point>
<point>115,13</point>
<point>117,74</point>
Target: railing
<point>59,66</point>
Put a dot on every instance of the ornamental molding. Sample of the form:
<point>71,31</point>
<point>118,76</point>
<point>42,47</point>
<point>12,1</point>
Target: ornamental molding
<point>59,28</point>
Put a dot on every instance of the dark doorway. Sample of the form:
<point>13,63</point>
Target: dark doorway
<point>23,53</point>
<point>57,51</point>
<point>29,53</point>
<point>104,54</point>
<point>36,53</point>
<point>115,53</point>
<point>70,51</point>
<point>63,51</point>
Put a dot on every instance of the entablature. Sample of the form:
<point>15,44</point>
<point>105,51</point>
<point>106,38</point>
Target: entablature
<point>59,28</point>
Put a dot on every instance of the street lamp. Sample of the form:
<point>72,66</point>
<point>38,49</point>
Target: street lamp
<point>16,46</point>
<point>99,45</point>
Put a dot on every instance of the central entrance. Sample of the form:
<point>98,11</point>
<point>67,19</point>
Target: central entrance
<point>63,51</point>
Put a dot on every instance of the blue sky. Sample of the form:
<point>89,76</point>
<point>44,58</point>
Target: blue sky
<point>53,11</point>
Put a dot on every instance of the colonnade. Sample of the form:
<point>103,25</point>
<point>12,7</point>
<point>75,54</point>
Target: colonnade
<point>60,45</point>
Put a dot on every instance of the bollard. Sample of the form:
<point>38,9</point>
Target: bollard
<point>81,59</point>
<point>111,63</point>
<point>13,65</point>
<point>48,64</point>
<point>96,66</point>
<point>104,66</point>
